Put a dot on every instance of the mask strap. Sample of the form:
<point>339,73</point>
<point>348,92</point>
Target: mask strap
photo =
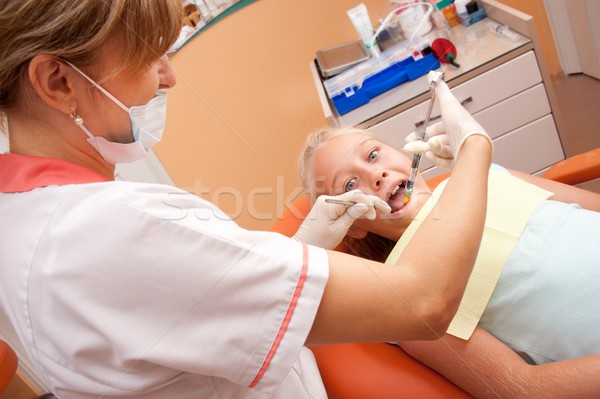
<point>86,131</point>
<point>78,120</point>
<point>107,94</point>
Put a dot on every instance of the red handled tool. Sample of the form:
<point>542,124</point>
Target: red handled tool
<point>444,51</point>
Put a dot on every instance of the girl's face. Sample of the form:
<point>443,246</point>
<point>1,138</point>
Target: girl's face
<point>359,161</point>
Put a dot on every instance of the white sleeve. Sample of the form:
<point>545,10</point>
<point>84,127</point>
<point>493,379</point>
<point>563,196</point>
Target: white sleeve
<point>196,294</point>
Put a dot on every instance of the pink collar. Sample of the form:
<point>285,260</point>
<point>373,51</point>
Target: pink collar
<point>20,173</point>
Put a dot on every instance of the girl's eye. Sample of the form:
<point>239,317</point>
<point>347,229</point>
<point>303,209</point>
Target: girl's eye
<point>372,155</point>
<point>350,185</point>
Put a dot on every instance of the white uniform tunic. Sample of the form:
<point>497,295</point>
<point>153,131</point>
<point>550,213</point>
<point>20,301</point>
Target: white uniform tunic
<point>121,289</point>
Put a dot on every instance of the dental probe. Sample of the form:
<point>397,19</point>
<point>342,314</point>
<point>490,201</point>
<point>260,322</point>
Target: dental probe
<point>414,167</point>
<point>340,202</point>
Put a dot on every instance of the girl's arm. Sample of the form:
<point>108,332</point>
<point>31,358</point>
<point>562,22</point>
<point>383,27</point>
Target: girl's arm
<point>563,192</point>
<point>486,368</point>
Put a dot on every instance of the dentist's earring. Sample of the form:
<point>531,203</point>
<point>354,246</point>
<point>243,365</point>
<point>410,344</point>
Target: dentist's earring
<point>78,120</point>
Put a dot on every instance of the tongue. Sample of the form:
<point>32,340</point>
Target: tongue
<point>396,201</point>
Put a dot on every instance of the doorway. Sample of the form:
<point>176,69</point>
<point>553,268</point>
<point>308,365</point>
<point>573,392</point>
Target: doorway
<point>577,34</point>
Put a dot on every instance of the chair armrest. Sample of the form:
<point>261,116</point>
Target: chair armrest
<point>379,371</point>
<point>8,365</point>
<point>433,182</point>
<point>576,169</point>
<point>292,218</point>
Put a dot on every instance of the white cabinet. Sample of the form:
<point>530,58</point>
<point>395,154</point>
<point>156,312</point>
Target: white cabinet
<point>530,148</point>
<point>500,82</point>
<point>510,102</point>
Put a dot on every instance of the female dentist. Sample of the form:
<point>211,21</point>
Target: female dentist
<point>113,293</point>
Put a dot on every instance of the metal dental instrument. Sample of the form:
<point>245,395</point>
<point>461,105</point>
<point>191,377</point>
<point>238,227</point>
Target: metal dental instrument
<point>414,168</point>
<point>341,202</point>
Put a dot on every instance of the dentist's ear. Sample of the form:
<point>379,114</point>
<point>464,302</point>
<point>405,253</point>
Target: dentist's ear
<point>356,232</point>
<point>52,80</point>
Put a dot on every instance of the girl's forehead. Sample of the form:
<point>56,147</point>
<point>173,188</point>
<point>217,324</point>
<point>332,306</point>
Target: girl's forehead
<point>348,143</point>
<point>338,149</point>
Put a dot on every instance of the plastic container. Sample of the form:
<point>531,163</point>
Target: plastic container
<point>411,18</point>
<point>396,74</point>
<point>358,85</point>
<point>468,12</point>
<point>355,76</point>
<point>449,11</point>
<point>390,36</point>
<point>438,20</point>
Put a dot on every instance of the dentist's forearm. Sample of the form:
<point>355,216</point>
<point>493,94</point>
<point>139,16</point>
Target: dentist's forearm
<point>444,248</point>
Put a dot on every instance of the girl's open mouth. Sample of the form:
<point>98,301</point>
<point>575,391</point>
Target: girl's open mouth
<point>396,200</point>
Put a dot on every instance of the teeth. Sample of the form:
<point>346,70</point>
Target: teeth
<point>396,189</point>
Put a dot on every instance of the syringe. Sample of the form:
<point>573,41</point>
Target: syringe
<point>414,167</point>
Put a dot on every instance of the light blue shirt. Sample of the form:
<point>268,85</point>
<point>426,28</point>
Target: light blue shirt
<point>545,305</point>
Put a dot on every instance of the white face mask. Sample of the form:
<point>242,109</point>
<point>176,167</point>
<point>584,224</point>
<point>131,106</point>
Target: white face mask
<point>147,123</point>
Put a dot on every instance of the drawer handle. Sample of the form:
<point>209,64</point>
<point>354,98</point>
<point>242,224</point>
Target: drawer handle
<point>433,118</point>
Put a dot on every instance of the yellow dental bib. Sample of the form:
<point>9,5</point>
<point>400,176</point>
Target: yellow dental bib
<point>511,202</point>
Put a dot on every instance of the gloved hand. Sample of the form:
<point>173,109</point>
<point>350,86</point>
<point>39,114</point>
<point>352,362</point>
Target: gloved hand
<point>446,137</point>
<point>326,224</point>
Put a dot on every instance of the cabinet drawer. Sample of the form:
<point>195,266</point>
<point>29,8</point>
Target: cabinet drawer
<point>481,92</point>
<point>529,149</point>
<point>511,114</point>
<point>514,112</point>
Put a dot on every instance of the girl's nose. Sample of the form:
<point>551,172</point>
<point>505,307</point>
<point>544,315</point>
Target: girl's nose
<point>378,178</point>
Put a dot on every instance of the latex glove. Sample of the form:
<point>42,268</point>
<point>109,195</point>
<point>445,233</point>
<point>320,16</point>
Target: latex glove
<point>446,137</point>
<point>326,224</point>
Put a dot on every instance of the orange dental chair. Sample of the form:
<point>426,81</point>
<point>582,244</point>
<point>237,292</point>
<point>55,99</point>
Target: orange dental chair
<point>8,365</point>
<point>384,371</point>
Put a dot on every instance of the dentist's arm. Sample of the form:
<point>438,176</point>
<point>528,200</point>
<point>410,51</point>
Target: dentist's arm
<point>368,301</point>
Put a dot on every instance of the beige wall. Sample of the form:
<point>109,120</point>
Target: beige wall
<point>245,101</point>
<point>537,10</point>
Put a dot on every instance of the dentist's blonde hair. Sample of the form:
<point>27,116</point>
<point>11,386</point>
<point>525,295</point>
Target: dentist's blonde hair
<point>74,30</point>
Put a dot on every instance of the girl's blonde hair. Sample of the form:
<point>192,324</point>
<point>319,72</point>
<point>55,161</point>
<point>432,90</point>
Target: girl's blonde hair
<point>75,29</point>
<point>373,246</point>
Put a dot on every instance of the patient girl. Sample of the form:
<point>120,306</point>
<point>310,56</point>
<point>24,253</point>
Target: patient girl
<point>336,161</point>
<point>544,304</point>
